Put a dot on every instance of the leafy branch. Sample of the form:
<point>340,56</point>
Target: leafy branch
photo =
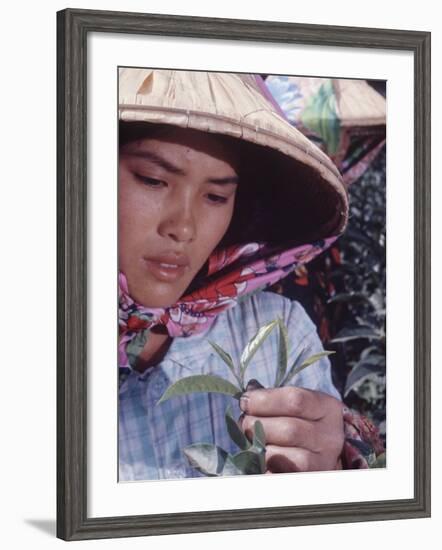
<point>210,459</point>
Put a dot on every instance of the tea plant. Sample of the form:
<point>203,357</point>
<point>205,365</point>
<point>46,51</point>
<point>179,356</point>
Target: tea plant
<point>212,460</point>
<point>359,307</point>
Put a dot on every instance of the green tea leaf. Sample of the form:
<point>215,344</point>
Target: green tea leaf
<point>259,436</point>
<point>207,458</point>
<point>313,358</point>
<point>366,368</point>
<point>226,358</point>
<point>283,353</point>
<point>368,351</point>
<point>262,461</point>
<point>252,347</point>
<point>298,368</point>
<point>347,334</point>
<point>235,432</point>
<point>249,462</point>
<point>291,373</point>
<point>201,383</point>
<point>230,469</point>
<point>211,460</point>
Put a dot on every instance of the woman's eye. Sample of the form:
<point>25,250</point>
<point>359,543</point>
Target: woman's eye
<point>218,199</point>
<point>152,182</point>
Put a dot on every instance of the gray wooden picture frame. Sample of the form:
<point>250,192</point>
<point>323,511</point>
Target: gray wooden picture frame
<point>73,27</point>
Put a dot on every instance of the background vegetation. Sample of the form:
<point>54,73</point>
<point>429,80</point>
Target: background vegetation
<point>358,309</point>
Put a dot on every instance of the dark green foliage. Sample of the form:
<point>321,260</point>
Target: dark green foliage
<point>360,334</point>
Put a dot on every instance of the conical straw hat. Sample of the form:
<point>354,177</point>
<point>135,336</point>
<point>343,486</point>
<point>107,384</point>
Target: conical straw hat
<point>234,105</point>
<point>358,104</point>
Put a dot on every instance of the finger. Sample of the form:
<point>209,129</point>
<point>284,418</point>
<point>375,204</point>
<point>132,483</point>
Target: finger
<point>285,431</point>
<point>283,460</point>
<point>286,401</point>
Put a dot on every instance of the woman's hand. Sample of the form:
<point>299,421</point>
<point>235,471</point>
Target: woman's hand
<point>304,428</point>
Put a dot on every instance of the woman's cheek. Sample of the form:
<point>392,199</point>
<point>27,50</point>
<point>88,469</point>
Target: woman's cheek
<point>227,215</point>
<point>141,207</point>
<point>219,223</point>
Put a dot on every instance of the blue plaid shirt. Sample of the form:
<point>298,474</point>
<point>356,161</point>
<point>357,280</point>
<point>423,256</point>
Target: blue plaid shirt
<point>152,437</point>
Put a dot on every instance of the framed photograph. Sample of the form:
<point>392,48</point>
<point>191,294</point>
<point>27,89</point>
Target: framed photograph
<point>227,302</point>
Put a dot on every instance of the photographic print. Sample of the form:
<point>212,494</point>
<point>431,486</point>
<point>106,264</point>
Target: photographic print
<point>252,272</point>
<point>229,314</point>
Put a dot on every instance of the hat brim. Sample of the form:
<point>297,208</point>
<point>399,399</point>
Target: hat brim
<point>300,185</point>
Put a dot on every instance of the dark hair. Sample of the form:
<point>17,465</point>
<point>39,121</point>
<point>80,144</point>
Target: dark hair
<point>132,131</point>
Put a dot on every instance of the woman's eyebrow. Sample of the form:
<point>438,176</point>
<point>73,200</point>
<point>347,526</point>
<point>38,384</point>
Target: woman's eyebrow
<point>224,181</point>
<point>173,169</point>
<point>157,159</point>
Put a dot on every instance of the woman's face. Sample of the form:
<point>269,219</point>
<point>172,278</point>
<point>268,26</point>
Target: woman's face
<point>176,199</point>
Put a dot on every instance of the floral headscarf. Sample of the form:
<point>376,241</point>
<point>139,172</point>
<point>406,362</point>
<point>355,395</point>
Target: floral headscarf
<point>242,270</point>
<point>250,267</point>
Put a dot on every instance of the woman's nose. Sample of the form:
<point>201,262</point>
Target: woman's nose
<point>179,224</point>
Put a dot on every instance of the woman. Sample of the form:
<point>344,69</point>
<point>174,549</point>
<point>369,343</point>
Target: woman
<point>219,197</point>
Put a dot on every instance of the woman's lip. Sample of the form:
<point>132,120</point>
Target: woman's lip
<point>164,271</point>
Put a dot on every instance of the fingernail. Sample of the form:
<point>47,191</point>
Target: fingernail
<point>244,402</point>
